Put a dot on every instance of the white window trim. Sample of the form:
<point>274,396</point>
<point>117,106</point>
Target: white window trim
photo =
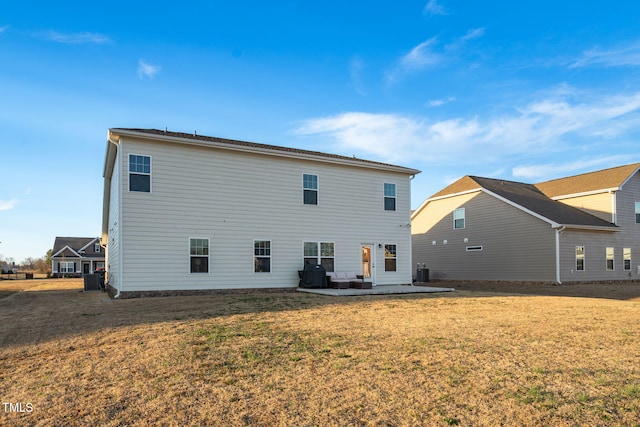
<point>208,256</point>
<point>65,269</point>
<point>607,259</point>
<point>319,256</point>
<point>584,257</point>
<point>624,258</point>
<point>464,218</point>
<point>384,254</point>
<point>97,248</point>
<point>317,190</point>
<point>384,196</point>
<point>140,173</point>
<point>254,256</point>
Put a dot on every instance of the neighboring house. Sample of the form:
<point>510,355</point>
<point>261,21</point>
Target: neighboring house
<point>580,228</point>
<point>190,212</point>
<point>76,256</point>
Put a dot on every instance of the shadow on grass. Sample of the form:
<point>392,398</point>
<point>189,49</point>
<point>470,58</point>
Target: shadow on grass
<point>39,316</point>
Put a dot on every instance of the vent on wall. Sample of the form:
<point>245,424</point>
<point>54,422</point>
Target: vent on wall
<point>474,248</point>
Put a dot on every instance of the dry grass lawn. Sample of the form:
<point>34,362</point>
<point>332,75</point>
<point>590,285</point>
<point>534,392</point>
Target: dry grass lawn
<point>469,358</point>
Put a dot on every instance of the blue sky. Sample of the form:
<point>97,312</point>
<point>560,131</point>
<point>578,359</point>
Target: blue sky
<point>502,89</point>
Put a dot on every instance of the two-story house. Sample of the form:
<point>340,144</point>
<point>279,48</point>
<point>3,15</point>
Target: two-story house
<point>191,212</point>
<point>581,228</point>
<point>76,256</point>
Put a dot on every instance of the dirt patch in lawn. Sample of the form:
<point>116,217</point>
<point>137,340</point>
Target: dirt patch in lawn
<point>478,358</point>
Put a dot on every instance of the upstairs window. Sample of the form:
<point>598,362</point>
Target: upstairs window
<point>139,173</point>
<point>579,258</point>
<point>310,189</point>
<point>637,212</point>
<point>199,255</point>
<point>96,248</point>
<point>610,259</point>
<point>389,197</point>
<point>458,219</point>
<point>262,256</point>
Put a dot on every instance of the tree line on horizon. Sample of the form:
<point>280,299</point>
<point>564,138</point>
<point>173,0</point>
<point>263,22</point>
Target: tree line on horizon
<point>32,265</point>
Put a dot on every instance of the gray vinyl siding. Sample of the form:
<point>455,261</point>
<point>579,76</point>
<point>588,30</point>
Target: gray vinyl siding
<point>234,198</point>
<point>595,243</point>
<point>515,245</point>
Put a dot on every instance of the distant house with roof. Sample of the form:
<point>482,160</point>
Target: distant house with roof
<point>76,256</point>
<point>580,228</point>
<point>186,212</point>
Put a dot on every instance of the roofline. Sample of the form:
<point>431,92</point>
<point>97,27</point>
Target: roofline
<point>586,193</point>
<point>612,229</point>
<point>264,149</point>
<point>88,244</point>
<point>522,208</point>
<point>629,177</point>
<point>446,196</point>
<point>551,222</point>
<point>67,247</point>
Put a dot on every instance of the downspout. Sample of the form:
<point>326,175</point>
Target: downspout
<point>116,144</point>
<point>558,231</point>
<point>411,178</point>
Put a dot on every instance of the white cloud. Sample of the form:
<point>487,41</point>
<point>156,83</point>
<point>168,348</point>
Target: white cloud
<point>418,58</point>
<point>538,171</point>
<point>542,127</point>
<point>434,8</point>
<point>3,29</point>
<point>473,33</point>
<point>8,205</point>
<point>628,55</point>
<point>75,38</point>
<point>440,102</point>
<point>147,70</point>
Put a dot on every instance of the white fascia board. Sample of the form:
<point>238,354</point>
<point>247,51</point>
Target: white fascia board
<point>271,152</point>
<point>592,228</point>
<point>62,250</point>
<point>586,193</point>
<point>629,177</point>
<point>523,209</point>
<point>88,244</point>
<point>433,199</point>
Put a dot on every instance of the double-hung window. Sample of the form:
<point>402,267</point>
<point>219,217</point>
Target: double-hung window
<point>139,173</point>
<point>199,255</point>
<point>262,256</point>
<point>389,196</point>
<point>390,258</point>
<point>459,219</point>
<point>579,258</point>
<point>310,189</point>
<point>637,212</point>
<point>610,255</point>
<point>67,267</point>
<point>627,258</point>
<point>320,253</point>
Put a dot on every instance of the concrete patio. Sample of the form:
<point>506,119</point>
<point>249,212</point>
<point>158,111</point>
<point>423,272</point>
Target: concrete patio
<point>377,290</point>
